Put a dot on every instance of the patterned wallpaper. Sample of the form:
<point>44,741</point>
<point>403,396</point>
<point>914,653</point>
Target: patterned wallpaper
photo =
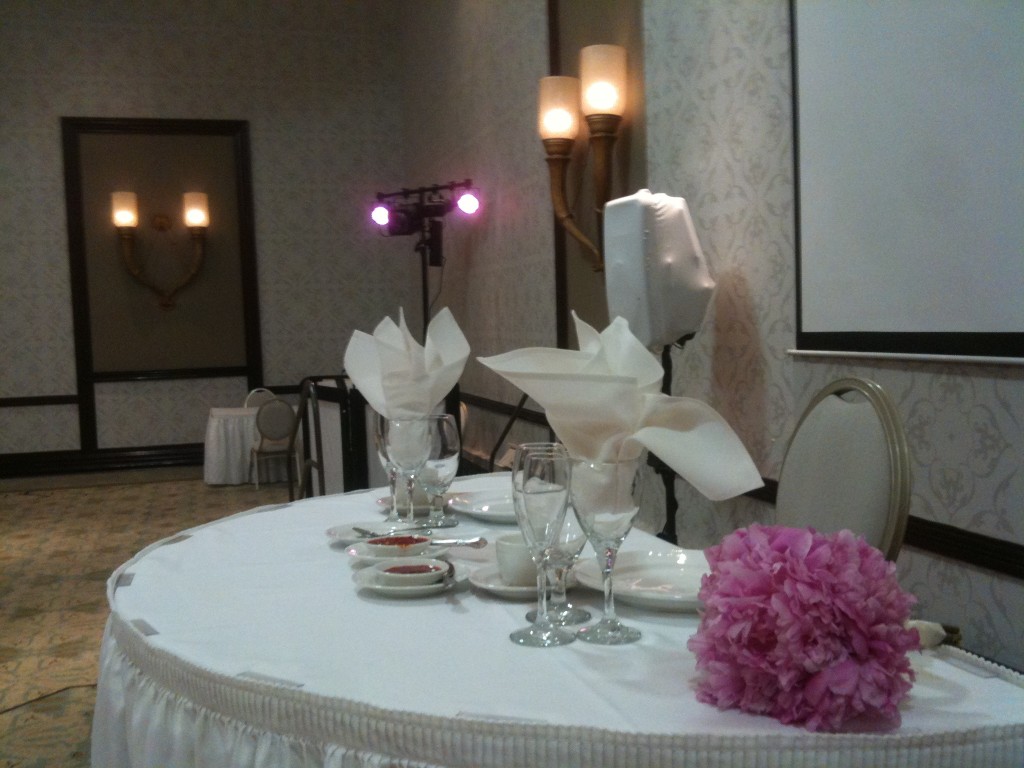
<point>720,134</point>
<point>320,96</point>
<point>471,90</point>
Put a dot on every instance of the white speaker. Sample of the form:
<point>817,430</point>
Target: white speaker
<point>656,276</point>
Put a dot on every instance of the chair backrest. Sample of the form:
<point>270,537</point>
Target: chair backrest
<point>847,466</point>
<point>258,397</point>
<point>275,420</point>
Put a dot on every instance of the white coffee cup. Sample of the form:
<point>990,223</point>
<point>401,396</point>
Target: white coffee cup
<point>515,565</point>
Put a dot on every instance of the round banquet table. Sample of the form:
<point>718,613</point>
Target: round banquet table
<point>247,642</point>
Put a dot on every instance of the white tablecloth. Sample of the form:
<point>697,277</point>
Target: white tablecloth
<point>230,433</point>
<point>246,643</point>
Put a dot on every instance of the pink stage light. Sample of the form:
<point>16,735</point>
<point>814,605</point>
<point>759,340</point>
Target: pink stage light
<point>380,215</point>
<point>468,203</point>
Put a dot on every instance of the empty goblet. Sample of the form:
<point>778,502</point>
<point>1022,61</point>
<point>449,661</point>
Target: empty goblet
<point>606,499</point>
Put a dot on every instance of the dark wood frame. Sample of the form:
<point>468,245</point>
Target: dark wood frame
<point>72,129</point>
<point>966,346</point>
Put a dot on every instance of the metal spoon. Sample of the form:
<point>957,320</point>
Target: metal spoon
<point>424,529</point>
<point>474,543</point>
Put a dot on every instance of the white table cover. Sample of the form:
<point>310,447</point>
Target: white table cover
<point>230,434</point>
<point>246,643</point>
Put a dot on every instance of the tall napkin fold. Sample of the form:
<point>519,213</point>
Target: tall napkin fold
<point>400,377</point>
<point>604,403</point>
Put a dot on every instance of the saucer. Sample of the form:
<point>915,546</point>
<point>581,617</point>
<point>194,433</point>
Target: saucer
<point>361,555</point>
<point>490,507</point>
<point>368,579</point>
<point>488,579</point>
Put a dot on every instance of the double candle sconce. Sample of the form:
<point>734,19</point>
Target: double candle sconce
<point>125,213</point>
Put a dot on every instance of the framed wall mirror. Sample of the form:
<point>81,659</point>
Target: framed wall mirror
<point>162,252</point>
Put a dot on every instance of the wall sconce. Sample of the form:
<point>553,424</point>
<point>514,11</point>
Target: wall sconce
<point>421,211</point>
<point>600,93</point>
<point>125,215</point>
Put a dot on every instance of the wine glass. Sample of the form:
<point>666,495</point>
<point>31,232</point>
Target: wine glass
<point>407,442</point>
<point>566,550</point>
<point>442,464</point>
<point>564,554</point>
<point>540,493</point>
<point>380,430</point>
<point>606,499</point>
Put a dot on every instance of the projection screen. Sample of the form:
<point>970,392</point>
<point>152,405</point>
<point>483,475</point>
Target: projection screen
<point>909,137</point>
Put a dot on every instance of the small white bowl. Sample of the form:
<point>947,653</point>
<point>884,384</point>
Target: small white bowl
<point>410,572</point>
<point>397,545</point>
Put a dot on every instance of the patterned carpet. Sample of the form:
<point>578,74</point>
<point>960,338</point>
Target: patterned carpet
<point>57,548</point>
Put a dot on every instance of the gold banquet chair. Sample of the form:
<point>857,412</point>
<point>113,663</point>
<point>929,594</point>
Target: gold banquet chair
<point>847,466</point>
<point>275,424</point>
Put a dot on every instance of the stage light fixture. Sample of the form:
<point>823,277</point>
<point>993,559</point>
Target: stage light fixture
<point>421,211</point>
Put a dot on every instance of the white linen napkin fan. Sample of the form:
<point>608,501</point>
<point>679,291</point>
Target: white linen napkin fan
<point>400,377</point>
<point>604,403</point>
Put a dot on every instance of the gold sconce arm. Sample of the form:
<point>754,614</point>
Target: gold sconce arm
<point>166,295</point>
<point>559,153</point>
<point>602,139</point>
<point>198,235</point>
<point>600,94</point>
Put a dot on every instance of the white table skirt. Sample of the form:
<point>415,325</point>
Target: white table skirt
<point>230,434</point>
<point>245,643</point>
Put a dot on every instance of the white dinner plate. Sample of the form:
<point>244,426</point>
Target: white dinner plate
<point>665,581</point>
<point>488,579</point>
<point>489,506</point>
<point>361,555</point>
<point>367,578</point>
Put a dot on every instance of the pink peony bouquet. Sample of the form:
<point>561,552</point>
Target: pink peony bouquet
<point>806,627</point>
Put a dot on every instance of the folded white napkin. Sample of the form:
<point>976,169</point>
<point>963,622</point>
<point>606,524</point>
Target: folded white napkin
<point>931,633</point>
<point>398,376</point>
<point>604,403</point>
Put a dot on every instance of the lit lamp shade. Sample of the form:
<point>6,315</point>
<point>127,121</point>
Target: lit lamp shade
<point>558,114</point>
<point>197,213</point>
<point>124,209</point>
<point>603,72</point>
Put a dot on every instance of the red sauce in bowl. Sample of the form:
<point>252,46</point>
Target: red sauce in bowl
<point>398,541</point>
<point>405,569</point>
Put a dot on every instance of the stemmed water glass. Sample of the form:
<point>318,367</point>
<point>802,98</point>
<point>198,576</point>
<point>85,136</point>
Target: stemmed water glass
<point>442,464</point>
<point>407,442</point>
<point>606,499</point>
<point>540,493</point>
<point>564,554</point>
<point>566,550</point>
<point>380,430</point>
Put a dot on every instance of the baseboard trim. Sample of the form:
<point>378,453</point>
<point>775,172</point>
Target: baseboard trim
<point>979,550</point>
<point>100,460</point>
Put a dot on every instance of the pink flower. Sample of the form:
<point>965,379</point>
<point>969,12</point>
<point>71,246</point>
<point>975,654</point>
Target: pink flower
<point>805,627</point>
